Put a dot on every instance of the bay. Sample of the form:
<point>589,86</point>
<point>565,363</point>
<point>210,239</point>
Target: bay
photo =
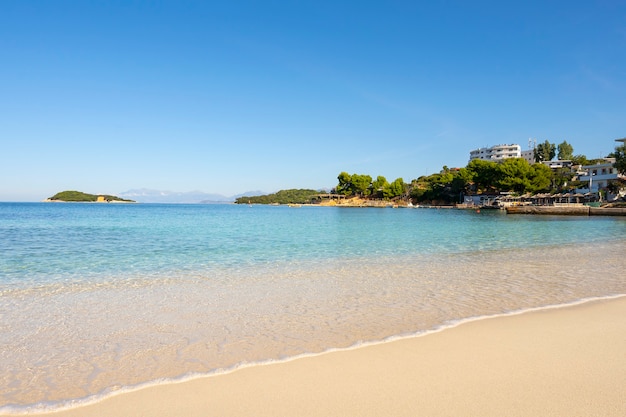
<point>98,298</point>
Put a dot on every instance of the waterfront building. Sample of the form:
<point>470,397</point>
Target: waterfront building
<point>597,176</point>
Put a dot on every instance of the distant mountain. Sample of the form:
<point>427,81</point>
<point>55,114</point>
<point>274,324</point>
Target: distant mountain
<point>144,195</point>
<point>249,194</point>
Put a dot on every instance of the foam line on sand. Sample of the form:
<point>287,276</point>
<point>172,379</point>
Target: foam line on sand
<point>567,361</point>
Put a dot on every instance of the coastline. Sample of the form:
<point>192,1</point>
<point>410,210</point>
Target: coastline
<point>549,361</point>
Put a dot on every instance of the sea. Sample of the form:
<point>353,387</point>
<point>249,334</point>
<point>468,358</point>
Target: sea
<point>101,299</point>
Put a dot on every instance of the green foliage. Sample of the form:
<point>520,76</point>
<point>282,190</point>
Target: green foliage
<point>565,151</point>
<point>73,196</point>
<point>292,196</point>
<point>344,186</point>
<point>78,196</point>
<point>442,188</point>
<point>562,179</point>
<point>616,185</point>
<point>395,189</point>
<point>378,186</point>
<point>518,176</point>
<point>484,174</point>
<point>620,159</point>
<point>515,175</point>
<point>480,176</point>
<point>545,151</point>
<point>540,178</point>
<point>580,160</point>
<point>353,185</point>
<point>361,184</point>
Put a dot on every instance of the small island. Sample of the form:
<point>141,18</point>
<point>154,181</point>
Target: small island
<point>80,197</point>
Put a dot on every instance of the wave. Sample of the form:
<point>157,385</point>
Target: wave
<point>56,406</point>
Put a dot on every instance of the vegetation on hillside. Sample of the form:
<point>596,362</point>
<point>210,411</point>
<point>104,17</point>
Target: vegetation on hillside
<point>513,175</point>
<point>363,186</point>
<point>78,196</point>
<point>293,196</point>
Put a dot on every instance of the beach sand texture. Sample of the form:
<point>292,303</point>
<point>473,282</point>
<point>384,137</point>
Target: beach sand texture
<point>557,362</point>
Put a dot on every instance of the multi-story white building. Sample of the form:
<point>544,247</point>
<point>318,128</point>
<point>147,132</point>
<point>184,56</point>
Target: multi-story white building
<point>497,153</point>
<point>597,176</point>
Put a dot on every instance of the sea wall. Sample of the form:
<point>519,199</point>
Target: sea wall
<point>606,211</point>
<point>567,210</point>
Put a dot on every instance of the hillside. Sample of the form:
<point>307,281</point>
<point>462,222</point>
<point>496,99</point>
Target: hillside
<point>293,196</point>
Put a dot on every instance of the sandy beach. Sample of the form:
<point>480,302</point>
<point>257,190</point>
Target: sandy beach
<point>557,362</point>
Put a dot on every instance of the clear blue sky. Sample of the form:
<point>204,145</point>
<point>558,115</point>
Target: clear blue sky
<point>230,96</point>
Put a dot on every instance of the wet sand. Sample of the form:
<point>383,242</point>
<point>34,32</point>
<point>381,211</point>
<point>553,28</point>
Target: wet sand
<point>557,362</point>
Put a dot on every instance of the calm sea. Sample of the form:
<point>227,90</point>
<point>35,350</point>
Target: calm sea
<point>101,298</point>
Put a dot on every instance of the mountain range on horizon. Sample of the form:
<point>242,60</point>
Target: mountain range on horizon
<point>145,195</point>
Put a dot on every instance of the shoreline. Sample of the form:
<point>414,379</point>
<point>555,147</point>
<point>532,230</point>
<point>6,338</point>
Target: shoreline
<point>168,394</point>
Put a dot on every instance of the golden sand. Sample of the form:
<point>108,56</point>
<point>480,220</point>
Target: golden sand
<point>557,362</point>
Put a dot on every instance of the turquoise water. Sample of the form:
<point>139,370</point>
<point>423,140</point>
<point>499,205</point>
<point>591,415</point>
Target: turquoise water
<point>97,298</point>
<point>44,243</point>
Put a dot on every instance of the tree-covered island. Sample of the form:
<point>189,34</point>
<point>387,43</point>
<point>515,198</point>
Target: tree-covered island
<point>80,197</point>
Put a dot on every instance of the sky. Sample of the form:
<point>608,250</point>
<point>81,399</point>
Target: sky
<point>230,96</point>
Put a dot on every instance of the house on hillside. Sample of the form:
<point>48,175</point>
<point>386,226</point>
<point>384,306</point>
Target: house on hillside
<point>598,176</point>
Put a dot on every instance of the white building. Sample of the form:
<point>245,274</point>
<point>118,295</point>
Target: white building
<point>560,163</point>
<point>497,153</point>
<point>529,156</point>
<point>597,176</point>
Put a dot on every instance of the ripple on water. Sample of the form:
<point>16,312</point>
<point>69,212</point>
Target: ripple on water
<point>85,339</point>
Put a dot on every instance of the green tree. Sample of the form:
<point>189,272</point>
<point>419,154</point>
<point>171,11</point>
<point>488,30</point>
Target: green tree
<point>355,184</point>
<point>620,159</point>
<point>483,174</point>
<point>562,179</point>
<point>565,151</point>
<point>379,185</point>
<point>395,189</point>
<point>580,160</point>
<point>515,175</point>
<point>540,178</point>
<point>545,152</point>
<point>444,187</point>
<point>419,188</point>
<point>345,184</point>
<point>460,182</point>
<point>361,184</point>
